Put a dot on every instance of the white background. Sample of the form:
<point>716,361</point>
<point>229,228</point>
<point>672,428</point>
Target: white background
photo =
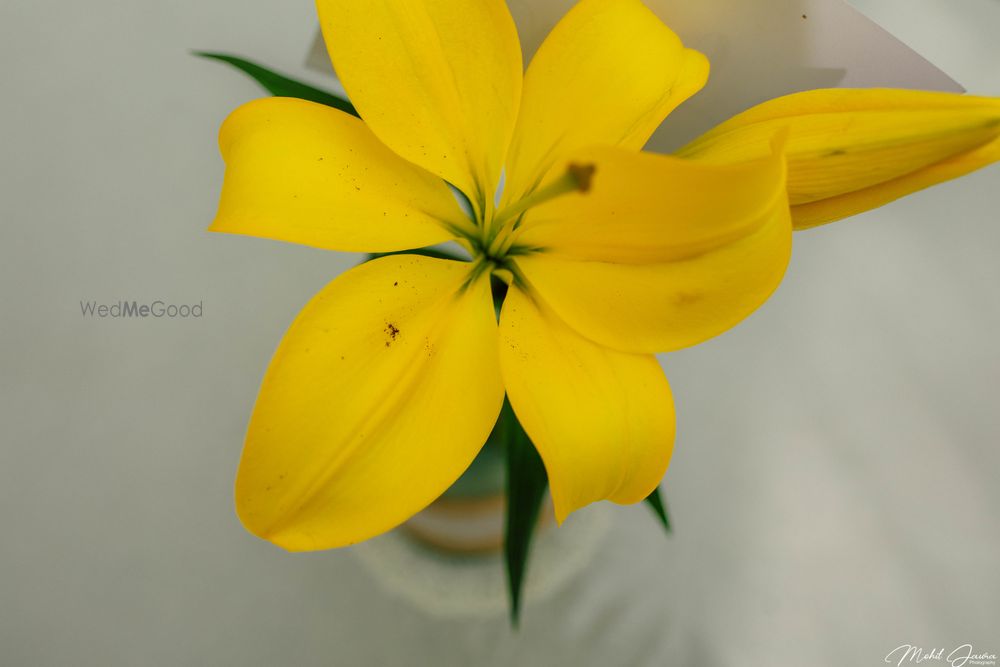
<point>835,482</point>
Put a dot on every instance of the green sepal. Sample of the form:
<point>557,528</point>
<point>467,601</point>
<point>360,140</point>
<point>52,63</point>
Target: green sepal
<point>280,85</point>
<point>526,486</point>
<point>655,501</point>
<point>498,286</point>
<point>430,251</point>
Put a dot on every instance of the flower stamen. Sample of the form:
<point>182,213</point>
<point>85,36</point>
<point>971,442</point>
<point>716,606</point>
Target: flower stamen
<point>498,235</point>
<point>578,178</point>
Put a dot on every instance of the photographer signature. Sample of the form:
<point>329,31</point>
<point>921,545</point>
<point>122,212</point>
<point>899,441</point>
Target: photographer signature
<point>962,655</point>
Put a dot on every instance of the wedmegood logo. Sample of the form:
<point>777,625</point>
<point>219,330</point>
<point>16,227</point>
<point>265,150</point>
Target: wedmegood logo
<point>130,309</point>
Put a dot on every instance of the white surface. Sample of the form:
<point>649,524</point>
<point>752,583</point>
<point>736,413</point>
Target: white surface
<point>459,586</point>
<point>834,487</point>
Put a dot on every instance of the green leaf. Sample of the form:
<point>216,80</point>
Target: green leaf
<point>655,501</point>
<point>526,485</point>
<point>280,85</point>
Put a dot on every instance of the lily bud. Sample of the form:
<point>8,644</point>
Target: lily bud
<point>850,151</point>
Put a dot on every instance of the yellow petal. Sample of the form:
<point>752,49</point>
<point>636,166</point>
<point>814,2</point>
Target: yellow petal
<point>305,173</point>
<point>602,421</point>
<point>837,208</point>
<point>720,249</point>
<point>380,395</point>
<point>853,150</point>
<point>644,208</point>
<point>437,80</point>
<point>607,74</point>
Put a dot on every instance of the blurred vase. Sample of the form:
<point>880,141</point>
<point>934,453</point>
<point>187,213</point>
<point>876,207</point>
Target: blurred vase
<point>469,517</point>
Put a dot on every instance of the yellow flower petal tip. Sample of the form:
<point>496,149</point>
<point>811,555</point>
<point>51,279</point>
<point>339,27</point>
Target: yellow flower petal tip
<point>602,420</point>
<point>853,150</point>
<point>438,81</point>
<point>365,415</point>
<point>605,43</point>
<point>302,172</point>
<point>625,275</point>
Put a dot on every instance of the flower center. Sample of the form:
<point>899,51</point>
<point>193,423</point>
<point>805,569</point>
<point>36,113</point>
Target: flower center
<point>497,240</point>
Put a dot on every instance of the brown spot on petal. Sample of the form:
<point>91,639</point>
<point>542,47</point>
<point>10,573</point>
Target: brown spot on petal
<point>688,298</point>
<point>392,331</point>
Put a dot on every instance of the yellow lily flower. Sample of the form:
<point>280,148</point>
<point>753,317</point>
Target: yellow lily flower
<point>389,381</point>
